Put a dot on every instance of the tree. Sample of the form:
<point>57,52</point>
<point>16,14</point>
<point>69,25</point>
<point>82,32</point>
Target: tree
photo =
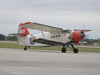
<point>12,38</point>
<point>2,37</point>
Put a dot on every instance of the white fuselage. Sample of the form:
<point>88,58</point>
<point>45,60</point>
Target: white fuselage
<point>56,36</point>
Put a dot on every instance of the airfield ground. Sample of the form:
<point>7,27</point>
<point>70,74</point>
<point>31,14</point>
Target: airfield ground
<point>48,62</point>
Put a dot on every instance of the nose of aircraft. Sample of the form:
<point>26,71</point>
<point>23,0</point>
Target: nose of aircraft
<point>78,36</point>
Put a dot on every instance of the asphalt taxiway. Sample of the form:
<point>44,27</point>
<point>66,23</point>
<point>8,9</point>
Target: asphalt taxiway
<point>48,62</point>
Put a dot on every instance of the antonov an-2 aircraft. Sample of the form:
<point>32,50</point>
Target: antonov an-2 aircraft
<point>54,37</point>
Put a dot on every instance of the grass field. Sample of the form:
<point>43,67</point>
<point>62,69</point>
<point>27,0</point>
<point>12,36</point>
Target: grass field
<point>16,46</point>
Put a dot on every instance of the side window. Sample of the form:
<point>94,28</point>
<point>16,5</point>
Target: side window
<point>56,36</point>
<point>53,36</point>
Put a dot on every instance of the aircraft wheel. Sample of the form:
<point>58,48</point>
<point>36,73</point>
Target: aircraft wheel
<point>25,48</point>
<point>75,50</point>
<point>63,50</point>
<point>28,46</point>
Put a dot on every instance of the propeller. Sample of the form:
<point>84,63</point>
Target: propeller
<point>86,36</point>
<point>82,36</point>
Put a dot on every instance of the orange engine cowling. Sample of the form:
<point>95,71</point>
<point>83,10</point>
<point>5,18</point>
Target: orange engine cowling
<point>77,36</point>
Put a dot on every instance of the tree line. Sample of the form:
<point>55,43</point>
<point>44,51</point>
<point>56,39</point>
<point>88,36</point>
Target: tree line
<point>7,38</point>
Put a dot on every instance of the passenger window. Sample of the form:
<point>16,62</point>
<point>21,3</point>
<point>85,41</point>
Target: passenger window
<point>53,36</point>
<point>56,35</point>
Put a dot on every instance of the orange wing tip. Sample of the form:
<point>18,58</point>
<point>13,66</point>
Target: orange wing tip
<point>24,23</point>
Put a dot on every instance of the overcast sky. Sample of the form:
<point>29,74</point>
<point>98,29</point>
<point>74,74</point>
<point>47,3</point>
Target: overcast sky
<point>76,14</point>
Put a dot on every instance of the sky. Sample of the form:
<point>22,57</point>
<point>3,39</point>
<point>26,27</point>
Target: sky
<point>76,14</point>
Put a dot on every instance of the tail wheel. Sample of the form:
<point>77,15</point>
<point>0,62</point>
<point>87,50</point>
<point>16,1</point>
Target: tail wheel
<point>75,50</point>
<point>63,50</point>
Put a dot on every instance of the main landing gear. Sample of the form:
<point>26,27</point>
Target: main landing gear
<point>63,49</point>
<point>25,48</point>
<point>75,50</point>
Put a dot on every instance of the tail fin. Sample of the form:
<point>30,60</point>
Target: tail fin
<point>23,31</point>
<point>22,37</point>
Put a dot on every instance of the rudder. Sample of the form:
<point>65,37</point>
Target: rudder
<point>22,30</point>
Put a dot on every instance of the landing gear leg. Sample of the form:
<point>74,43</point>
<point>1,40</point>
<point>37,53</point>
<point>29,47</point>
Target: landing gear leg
<point>75,50</point>
<point>25,48</point>
<point>63,49</point>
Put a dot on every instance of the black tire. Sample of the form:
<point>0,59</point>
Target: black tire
<point>63,50</point>
<point>75,50</point>
<point>28,46</point>
<point>25,49</point>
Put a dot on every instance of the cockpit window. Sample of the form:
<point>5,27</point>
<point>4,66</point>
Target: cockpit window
<point>66,31</point>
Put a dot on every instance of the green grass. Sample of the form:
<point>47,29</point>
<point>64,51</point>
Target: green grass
<point>10,45</point>
<point>16,46</point>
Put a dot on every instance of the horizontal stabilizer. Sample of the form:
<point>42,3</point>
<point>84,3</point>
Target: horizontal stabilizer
<point>16,34</point>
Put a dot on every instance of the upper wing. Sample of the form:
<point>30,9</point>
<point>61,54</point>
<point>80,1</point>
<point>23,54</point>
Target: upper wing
<point>82,30</point>
<point>41,27</point>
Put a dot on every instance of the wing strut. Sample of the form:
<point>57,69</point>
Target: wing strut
<point>43,34</point>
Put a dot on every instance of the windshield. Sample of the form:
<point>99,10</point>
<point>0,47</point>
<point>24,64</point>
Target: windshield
<point>66,31</point>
